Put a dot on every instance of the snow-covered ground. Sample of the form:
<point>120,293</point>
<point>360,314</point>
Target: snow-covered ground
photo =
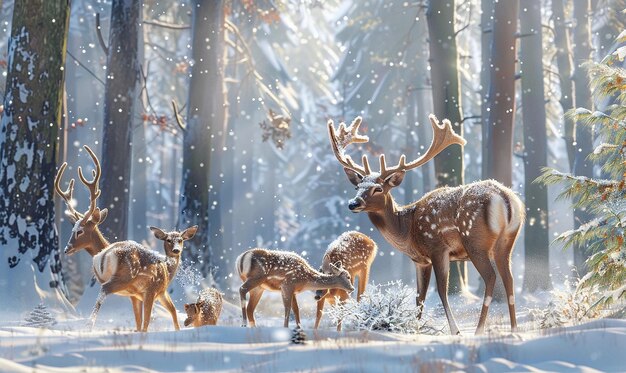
<point>69,346</point>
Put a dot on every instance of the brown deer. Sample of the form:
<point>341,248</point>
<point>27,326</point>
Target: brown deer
<point>86,233</point>
<point>354,252</point>
<point>287,272</point>
<point>206,310</point>
<point>129,269</point>
<point>478,221</point>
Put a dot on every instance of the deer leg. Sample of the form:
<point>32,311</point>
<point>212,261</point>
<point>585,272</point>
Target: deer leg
<point>109,287</point>
<point>148,303</point>
<point>320,309</point>
<point>96,308</point>
<point>441,266</point>
<point>423,280</point>
<point>166,301</point>
<point>363,278</point>
<point>247,286</point>
<point>287,298</point>
<point>483,266</point>
<point>296,310</point>
<point>137,305</point>
<point>255,296</point>
<point>503,263</point>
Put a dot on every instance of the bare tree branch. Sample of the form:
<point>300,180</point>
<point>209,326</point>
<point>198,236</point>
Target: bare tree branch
<point>99,33</point>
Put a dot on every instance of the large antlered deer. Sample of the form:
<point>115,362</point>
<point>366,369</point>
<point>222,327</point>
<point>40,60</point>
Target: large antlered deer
<point>478,221</point>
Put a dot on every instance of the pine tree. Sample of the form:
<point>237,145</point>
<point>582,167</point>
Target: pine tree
<point>603,236</point>
<point>39,317</point>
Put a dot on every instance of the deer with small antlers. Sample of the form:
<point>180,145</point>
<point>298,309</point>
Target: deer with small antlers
<point>283,271</point>
<point>129,269</point>
<point>353,251</point>
<point>478,222</point>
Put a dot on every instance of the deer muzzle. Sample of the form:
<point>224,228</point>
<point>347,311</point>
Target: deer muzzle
<point>69,250</point>
<point>356,204</point>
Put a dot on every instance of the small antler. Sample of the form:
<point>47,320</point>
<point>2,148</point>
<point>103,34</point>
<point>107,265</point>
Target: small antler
<point>443,136</point>
<point>339,142</point>
<point>67,194</point>
<point>94,191</point>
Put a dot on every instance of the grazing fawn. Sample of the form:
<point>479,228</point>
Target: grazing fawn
<point>127,268</point>
<point>289,273</point>
<point>478,221</point>
<point>354,252</point>
<point>206,310</point>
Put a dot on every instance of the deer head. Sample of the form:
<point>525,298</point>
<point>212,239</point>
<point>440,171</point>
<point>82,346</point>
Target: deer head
<point>173,241</point>
<point>373,187</point>
<point>193,311</point>
<point>319,294</point>
<point>85,232</point>
<point>343,278</point>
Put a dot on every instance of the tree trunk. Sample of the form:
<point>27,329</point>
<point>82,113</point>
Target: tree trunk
<point>486,25</point>
<point>205,116</point>
<point>564,64</point>
<point>447,103</point>
<point>536,239</point>
<point>119,105</point>
<point>139,184</point>
<point>584,142</point>
<point>502,91</point>
<point>28,153</point>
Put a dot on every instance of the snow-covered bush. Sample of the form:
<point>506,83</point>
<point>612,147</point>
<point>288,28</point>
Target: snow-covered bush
<point>569,306</point>
<point>389,307</point>
<point>39,317</point>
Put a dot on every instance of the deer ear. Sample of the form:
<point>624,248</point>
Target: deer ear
<point>159,234</point>
<point>71,216</point>
<point>98,215</point>
<point>190,232</point>
<point>354,177</point>
<point>395,179</point>
<point>103,215</point>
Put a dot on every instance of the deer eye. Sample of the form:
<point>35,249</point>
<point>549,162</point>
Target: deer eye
<point>78,233</point>
<point>378,189</point>
<point>169,240</point>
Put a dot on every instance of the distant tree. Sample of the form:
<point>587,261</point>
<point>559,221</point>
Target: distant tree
<point>205,116</point>
<point>28,150</point>
<point>604,234</point>
<point>444,68</point>
<point>584,141</point>
<point>536,239</point>
<point>502,91</point>
<point>562,42</point>
<point>486,26</point>
<point>122,72</point>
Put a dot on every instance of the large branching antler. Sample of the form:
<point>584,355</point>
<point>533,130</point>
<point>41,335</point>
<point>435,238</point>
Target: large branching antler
<point>67,194</point>
<point>339,142</point>
<point>443,136</point>
<point>94,191</point>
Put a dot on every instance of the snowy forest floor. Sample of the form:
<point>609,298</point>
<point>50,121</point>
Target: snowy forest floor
<point>112,345</point>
